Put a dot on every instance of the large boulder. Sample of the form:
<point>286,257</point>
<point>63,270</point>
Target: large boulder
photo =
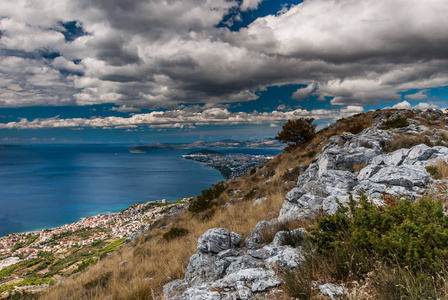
<point>205,267</point>
<point>218,239</point>
<point>257,279</point>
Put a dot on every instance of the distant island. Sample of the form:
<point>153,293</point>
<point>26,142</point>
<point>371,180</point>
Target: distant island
<point>232,144</point>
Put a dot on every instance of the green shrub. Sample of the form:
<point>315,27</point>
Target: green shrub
<point>175,233</point>
<point>292,175</point>
<point>251,194</point>
<point>356,128</point>
<point>398,122</point>
<point>297,282</point>
<point>309,154</point>
<point>204,201</point>
<point>101,280</point>
<point>413,234</point>
<point>86,263</point>
<point>432,170</point>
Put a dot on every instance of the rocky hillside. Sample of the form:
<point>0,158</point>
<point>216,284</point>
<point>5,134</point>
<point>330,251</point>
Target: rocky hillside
<point>226,268</point>
<point>246,242</point>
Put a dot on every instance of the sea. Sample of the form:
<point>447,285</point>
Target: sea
<point>46,186</point>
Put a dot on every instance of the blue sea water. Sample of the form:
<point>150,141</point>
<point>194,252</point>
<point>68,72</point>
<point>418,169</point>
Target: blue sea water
<point>48,186</point>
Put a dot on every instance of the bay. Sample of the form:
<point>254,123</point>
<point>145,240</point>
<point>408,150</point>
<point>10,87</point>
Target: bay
<point>48,186</point>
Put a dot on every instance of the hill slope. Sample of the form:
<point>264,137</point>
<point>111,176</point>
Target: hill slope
<point>262,253</point>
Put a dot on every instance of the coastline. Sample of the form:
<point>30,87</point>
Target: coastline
<point>88,230</point>
<point>38,186</point>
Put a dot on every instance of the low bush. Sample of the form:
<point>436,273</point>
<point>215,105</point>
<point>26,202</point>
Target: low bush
<point>101,280</point>
<point>439,170</point>
<point>83,265</point>
<point>174,233</point>
<point>292,175</point>
<point>204,201</point>
<point>251,194</point>
<point>413,234</point>
<point>398,122</point>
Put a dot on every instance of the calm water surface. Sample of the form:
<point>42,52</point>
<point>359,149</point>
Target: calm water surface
<point>48,186</point>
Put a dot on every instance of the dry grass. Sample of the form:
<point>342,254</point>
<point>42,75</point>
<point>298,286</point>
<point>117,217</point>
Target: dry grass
<point>438,170</point>
<point>355,125</point>
<point>358,167</point>
<point>153,261</point>
<point>406,141</point>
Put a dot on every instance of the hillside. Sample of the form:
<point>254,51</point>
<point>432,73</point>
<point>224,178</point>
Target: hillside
<point>251,238</point>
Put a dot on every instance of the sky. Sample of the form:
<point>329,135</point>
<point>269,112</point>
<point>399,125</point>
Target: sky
<point>141,71</point>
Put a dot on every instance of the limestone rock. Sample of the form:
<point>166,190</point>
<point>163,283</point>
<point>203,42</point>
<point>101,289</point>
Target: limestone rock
<point>294,237</point>
<point>174,288</point>
<point>205,267</point>
<point>253,241</point>
<point>198,293</point>
<point>257,279</point>
<point>218,239</point>
<point>332,290</point>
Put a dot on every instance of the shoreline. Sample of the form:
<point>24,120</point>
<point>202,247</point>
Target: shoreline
<point>27,232</point>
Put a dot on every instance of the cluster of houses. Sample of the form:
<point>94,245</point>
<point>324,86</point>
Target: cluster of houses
<point>113,225</point>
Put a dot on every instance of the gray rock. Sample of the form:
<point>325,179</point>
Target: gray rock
<point>306,206</point>
<point>205,267</point>
<point>243,262</point>
<point>293,195</point>
<point>218,239</point>
<point>330,204</point>
<point>260,201</point>
<point>244,292</point>
<point>286,256</point>
<point>258,279</point>
<point>338,182</point>
<point>419,153</point>
<point>198,293</point>
<point>406,176</point>
<point>174,288</point>
<point>291,238</point>
<point>124,262</point>
<point>253,241</point>
<point>228,253</point>
<point>332,290</point>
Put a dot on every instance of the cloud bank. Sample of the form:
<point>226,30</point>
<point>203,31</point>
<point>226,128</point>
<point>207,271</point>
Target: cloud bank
<point>161,54</point>
<point>185,118</point>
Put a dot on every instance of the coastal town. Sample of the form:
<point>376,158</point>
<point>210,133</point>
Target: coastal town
<point>71,244</point>
<point>230,165</point>
<point>108,226</point>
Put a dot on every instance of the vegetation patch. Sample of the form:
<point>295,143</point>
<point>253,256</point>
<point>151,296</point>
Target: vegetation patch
<point>405,141</point>
<point>414,234</point>
<point>398,122</point>
<point>83,265</point>
<point>25,282</point>
<point>175,232</point>
<point>204,201</point>
<point>101,280</point>
<point>439,170</point>
<point>296,133</point>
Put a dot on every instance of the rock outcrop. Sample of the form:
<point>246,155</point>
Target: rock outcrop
<point>347,165</point>
<point>238,273</point>
<point>332,176</point>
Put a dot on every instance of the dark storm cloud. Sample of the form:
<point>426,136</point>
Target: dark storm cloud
<point>151,54</point>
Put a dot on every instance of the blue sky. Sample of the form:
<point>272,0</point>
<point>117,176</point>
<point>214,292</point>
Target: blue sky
<point>155,71</point>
